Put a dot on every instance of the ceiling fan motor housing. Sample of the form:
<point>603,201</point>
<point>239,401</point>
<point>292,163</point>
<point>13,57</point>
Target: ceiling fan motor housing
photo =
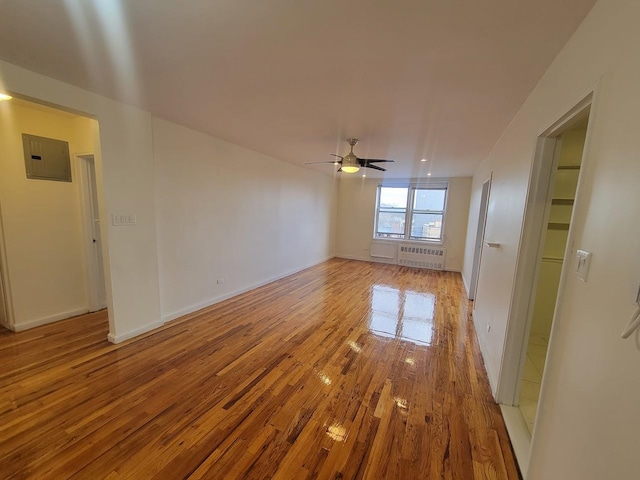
<point>350,160</point>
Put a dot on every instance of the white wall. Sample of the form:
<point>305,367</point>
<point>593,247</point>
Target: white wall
<point>41,219</point>
<point>588,423</point>
<point>227,212</point>
<point>356,218</point>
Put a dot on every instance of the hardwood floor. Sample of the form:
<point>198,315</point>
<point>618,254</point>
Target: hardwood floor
<point>345,370</point>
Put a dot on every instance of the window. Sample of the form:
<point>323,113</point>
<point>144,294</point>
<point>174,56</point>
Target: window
<point>412,212</point>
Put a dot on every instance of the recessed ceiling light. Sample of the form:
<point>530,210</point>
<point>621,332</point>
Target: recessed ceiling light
<point>4,96</point>
<point>364,175</point>
<point>423,160</point>
<point>429,174</point>
<point>336,163</point>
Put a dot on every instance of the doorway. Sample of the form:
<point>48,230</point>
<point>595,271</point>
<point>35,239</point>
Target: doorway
<point>93,231</point>
<point>44,255</point>
<point>4,304</point>
<point>477,252</point>
<point>544,260</point>
<point>563,193</point>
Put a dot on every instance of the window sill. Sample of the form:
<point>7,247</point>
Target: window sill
<point>438,243</point>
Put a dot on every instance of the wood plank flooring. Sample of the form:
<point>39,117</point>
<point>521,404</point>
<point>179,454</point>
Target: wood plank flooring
<point>345,370</point>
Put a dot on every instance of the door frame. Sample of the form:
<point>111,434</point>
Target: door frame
<point>528,262</point>
<point>482,225</point>
<point>5,288</point>
<point>92,270</point>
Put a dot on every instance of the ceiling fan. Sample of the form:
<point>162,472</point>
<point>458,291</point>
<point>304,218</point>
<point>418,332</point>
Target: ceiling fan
<point>351,163</point>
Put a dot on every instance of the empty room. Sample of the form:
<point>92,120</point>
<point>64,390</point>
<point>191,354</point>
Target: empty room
<point>296,240</point>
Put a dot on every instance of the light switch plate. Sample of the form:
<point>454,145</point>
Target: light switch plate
<point>583,262</point>
<point>123,219</point>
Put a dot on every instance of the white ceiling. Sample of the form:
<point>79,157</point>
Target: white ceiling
<point>412,79</point>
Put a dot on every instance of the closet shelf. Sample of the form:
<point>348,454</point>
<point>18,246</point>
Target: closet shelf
<point>568,167</point>
<point>562,201</point>
<point>558,226</point>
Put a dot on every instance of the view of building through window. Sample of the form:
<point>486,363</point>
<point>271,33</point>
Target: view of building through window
<point>416,213</point>
<point>392,211</point>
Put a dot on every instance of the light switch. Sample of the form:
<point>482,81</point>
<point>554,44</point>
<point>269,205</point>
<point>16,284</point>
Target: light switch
<point>583,262</point>
<point>123,219</point>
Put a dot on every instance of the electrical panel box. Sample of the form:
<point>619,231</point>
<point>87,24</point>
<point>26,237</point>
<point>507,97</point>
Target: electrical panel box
<point>46,158</point>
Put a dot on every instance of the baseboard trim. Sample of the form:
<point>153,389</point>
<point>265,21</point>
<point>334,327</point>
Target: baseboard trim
<point>225,296</point>
<point>518,434</point>
<point>19,327</point>
<point>484,350</point>
<point>464,282</point>
<point>7,326</point>
<point>133,333</point>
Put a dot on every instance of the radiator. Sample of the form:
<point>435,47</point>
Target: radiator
<point>418,256</point>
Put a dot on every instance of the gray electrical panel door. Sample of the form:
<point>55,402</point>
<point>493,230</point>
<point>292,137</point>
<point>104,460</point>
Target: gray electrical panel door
<point>46,158</point>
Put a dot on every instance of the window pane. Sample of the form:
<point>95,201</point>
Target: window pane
<point>426,225</point>
<point>393,197</point>
<point>390,224</point>
<point>426,199</point>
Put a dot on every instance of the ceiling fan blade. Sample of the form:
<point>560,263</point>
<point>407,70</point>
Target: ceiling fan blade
<point>339,156</point>
<point>375,167</point>
<point>313,163</point>
<point>374,160</point>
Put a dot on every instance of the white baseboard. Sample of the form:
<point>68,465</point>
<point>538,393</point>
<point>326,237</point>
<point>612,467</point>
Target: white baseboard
<point>7,326</point>
<point>133,333</point>
<point>518,434</point>
<point>18,327</point>
<point>484,350</point>
<point>225,296</point>
<point>464,282</point>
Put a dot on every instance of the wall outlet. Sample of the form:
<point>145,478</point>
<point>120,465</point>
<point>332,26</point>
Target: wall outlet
<point>220,281</point>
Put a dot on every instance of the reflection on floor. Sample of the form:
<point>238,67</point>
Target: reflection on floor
<point>532,377</point>
<point>403,314</point>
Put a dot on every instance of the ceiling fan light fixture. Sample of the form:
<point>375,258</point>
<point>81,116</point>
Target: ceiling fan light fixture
<point>350,163</point>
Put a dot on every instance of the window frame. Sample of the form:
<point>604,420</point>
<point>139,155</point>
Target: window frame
<point>409,210</point>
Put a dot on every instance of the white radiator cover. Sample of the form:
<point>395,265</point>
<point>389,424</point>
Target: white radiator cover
<point>420,256</point>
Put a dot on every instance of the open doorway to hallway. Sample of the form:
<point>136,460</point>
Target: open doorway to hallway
<point>49,196</point>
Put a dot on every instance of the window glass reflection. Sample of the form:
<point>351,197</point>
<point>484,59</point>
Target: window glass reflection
<point>385,300</point>
<point>405,315</point>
